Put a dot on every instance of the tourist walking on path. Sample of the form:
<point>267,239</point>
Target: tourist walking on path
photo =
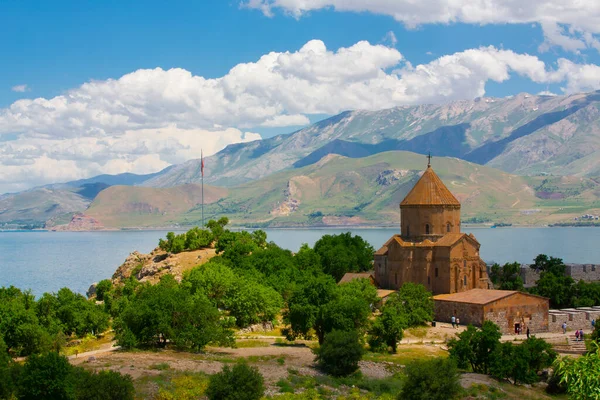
<point>593,323</point>
<point>577,335</point>
<point>581,335</point>
<point>527,332</point>
<point>564,326</point>
<point>457,322</point>
<point>453,321</point>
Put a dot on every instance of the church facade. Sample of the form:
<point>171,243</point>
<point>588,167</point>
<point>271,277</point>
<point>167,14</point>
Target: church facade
<point>431,249</point>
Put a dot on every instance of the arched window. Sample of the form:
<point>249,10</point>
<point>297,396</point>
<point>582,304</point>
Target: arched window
<point>448,227</point>
<point>427,229</point>
<point>465,281</point>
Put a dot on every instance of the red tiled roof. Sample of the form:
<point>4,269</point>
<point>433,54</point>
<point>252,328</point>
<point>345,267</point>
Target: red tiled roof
<point>430,191</point>
<point>349,276</point>
<point>477,296</point>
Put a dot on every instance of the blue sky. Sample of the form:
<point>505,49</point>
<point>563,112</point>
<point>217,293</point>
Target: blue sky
<point>50,49</point>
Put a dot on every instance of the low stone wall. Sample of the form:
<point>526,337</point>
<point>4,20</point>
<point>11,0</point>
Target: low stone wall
<point>576,318</point>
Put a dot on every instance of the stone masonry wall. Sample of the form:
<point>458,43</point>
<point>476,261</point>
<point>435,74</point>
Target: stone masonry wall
<point>467,313</point>
<point>585,272</point>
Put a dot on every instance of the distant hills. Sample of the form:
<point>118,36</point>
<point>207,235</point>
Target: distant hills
<point>511,157</point>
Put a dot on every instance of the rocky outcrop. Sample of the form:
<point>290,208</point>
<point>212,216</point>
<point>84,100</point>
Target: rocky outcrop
<point>151,267</point>
<point>81,222</point>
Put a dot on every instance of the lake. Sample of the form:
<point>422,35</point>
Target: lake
<point>47,261</point>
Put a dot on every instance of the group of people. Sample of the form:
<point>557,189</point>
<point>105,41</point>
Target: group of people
<point>455,321</point>
<point>579,335</point>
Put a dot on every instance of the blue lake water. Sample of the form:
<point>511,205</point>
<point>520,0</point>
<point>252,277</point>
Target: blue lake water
<point>47,261</point>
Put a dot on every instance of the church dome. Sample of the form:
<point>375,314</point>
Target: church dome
<point>430,191</point>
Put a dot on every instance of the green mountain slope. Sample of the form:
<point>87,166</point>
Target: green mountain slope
<point>365,191</point>
<point>525,134</point>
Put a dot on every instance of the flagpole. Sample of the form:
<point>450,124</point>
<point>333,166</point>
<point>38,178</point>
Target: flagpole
<point>202,171</point>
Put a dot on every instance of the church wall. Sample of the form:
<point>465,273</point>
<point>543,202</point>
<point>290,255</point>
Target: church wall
<point>417,217</point>
<point>529,310</point>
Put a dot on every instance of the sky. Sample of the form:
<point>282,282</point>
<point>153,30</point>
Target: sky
<point>92,87</point>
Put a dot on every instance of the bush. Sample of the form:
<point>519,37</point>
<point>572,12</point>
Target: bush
<point>523,362</point>
<point>102,288</point>
<point>436,379</point>
<point>46,377</point>
<point>340,353</point>
<point>104,385</point>
<point>475,347</point>
<point>241,382</point>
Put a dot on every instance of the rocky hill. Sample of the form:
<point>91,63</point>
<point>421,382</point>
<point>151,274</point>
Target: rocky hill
<point>151,267</point>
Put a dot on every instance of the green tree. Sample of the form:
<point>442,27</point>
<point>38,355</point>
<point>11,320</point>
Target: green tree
<point>388,329</point>
<point>522,363</point>
<point>415,301</point>
<point>507,277</point>
<point>475,347</point>
<point>157,314</point>
<point>251,302</point>
<point>581,375</point>
<point>241,382</point>
<point>436,379</point>
<point>46,377</point>
<point>217,227</point>
<point>340,353</point>
<point>214,279</point>
<point>344,253</point>
<point>102,288</point>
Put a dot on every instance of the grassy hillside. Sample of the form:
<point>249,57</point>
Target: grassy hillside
<point>339,191</point>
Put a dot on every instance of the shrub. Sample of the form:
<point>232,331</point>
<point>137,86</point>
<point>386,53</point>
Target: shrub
<point>102,288</point>
<point>241,382</point>
<point>474,347</point>
<point>46,377</point>
<point>436,379</point>
<point>523,362</point>
<point>104,385</point>
<point>340,353</point>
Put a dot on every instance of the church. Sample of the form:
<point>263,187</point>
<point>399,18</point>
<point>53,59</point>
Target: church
<point>431,249</point>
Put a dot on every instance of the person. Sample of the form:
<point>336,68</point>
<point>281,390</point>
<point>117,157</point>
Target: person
<point>577,335</point>
<point>453,321</point>
<point>457,322</point>
<point>527,332</point>
<point>564,326</point>
<point>581,335</point>
<point>593,323</point>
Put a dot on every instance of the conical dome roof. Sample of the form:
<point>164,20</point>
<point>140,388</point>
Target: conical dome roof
<point>430,191</point>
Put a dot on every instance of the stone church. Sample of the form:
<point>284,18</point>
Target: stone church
<point>430,249</point>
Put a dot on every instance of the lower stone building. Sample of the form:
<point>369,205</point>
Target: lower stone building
<point>508,309</point>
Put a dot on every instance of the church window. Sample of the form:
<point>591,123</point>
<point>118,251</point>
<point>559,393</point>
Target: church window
<point>427,229</point>
<point>465,281</point>
<point>448,227</point>
<point>465,263</point>
<point>436,272</point>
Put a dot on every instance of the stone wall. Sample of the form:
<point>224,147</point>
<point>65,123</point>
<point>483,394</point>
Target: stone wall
<point>585,272</point>
<point>467,313</point>
<point>576,318</point>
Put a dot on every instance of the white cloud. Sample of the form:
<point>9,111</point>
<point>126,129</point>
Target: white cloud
<point>390,38</point>
<point>582,16</point>
<point>20,88</point>
<point>149,119</point>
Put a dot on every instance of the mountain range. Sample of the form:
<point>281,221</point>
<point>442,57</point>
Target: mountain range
<point>523,153</point>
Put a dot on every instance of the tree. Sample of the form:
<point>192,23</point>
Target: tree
<point>340,353</point>
<point>214,279</point>
<point>241,382</point>
<point>388,329</point>
<point>522,363</point>
<point>507,277</point>
<point>581,374</point>
<point>102,288</point>
<point>344,253</point>
<point>416,303</point>
<point>166,312</point>
<point>251,302</point>
<point>46,377</point>
<point>475,347</point>
<point>436,379</point>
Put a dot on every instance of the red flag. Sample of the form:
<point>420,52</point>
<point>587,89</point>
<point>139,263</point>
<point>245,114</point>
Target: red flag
<point>201,163</point>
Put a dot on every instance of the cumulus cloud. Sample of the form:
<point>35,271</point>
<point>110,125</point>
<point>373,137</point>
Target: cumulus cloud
<point>582,16</point>
<point>148,119</point>
<point>20,88</point>
<point>390,38</point>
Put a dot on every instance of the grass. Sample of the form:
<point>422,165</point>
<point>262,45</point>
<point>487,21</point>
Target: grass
<point>406,354</point>
<point>88,343</point>
<point>161,366</point>
<point>172,385</point>
<point>243,344</point>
